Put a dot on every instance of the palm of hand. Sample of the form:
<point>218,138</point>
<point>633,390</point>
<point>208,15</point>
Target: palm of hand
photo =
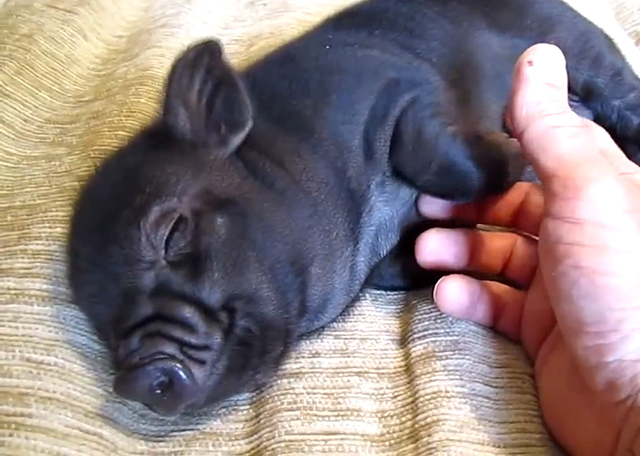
<point>585,396</point>
<point>586,378</point>
<point>568,403</point>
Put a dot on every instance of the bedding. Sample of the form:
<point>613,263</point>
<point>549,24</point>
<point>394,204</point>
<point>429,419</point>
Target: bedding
<point>391,377</point>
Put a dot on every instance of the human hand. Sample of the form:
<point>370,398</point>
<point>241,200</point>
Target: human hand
<point>577,309</point>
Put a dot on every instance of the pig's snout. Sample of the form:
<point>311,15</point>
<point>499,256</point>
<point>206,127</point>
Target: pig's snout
<point>165,385</point>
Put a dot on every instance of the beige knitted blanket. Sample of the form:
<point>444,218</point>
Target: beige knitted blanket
<point>391,377</point>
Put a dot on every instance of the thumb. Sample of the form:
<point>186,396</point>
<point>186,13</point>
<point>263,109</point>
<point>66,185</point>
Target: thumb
<point>563,147</point>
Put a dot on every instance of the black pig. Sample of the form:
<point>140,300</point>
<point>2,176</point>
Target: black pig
<point>256,206</point>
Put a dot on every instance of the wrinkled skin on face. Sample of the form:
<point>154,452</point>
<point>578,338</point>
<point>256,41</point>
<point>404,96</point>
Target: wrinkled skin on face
<point>257,205</point>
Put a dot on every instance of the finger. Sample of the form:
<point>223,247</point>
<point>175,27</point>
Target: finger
<point>520,208</point>
<point>565,149</point>
<point>489,304</point>
<point>501,254</point>
<point>538,319</point>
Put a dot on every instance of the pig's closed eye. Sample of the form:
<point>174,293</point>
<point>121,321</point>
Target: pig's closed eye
<point>177,243</point>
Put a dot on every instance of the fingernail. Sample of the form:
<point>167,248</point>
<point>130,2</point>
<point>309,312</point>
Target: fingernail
<point>456,297</point>
<point>547,63</point>
<point>435,288</point>
<point>434,208</point>
<point>442,248</point>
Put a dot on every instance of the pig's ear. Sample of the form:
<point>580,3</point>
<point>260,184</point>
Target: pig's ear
<point>205,100</point>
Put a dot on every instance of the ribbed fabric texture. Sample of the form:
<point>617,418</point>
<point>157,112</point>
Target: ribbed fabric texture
<point>391,377</point>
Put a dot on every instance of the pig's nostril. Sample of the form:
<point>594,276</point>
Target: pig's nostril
<point>161,385</point>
